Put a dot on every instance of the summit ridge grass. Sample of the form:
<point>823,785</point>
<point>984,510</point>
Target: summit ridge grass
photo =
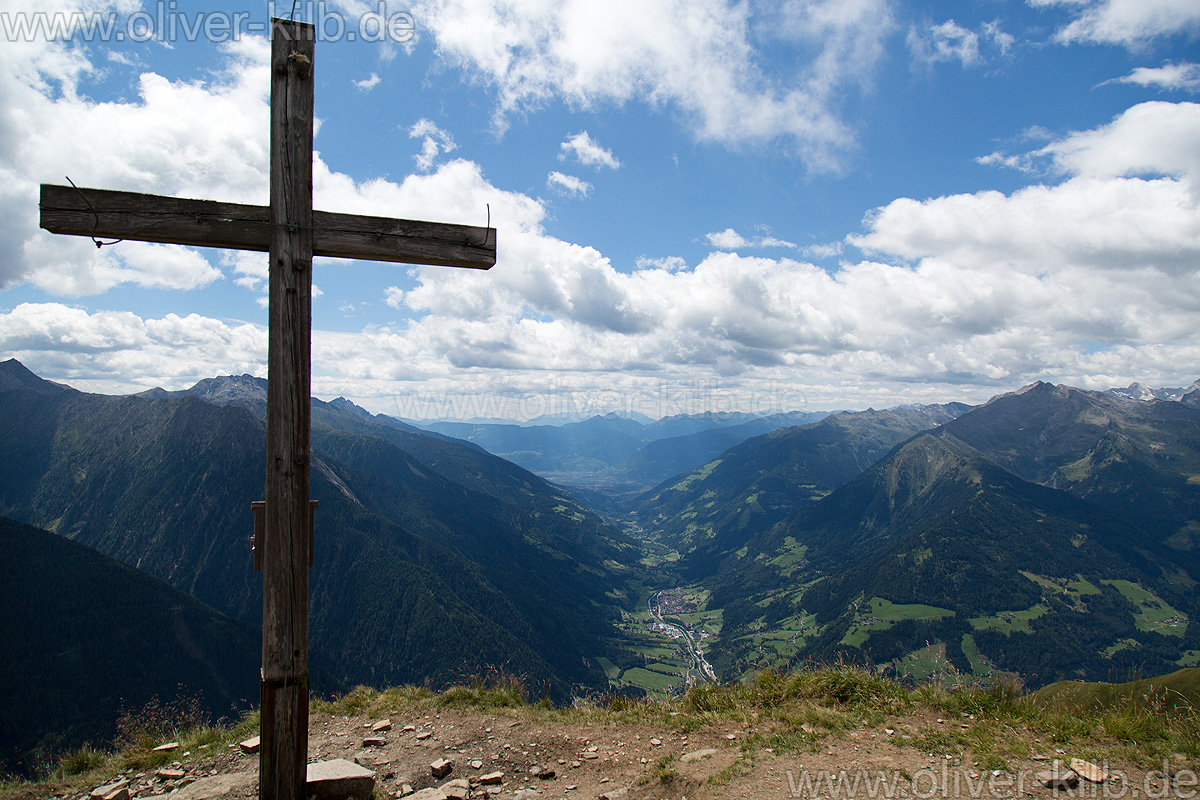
<point>798,711</point>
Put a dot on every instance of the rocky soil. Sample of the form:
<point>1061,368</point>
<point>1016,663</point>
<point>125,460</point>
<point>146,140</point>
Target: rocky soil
<point>524,755</point>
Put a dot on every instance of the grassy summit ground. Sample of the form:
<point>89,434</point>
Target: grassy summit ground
<point>826,732</point>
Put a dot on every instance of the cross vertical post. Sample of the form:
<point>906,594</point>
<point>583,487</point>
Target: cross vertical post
<point>283,756</point>
<point>291,232</point>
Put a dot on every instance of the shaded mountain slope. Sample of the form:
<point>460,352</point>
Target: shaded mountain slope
<point>712,511</point>
<point>548,515</point>
<point>554,519</point>
<point>1139,459</point>
<point>418,578</point>
<point>83,636</point>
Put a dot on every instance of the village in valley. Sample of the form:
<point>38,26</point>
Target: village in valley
<point>670,634</point>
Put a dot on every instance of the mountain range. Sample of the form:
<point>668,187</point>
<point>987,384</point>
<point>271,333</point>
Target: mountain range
<point>434,561</point>
<point>1051,533</point>
<point>1140,391</point>
<point>706,513</point>
<point>613,456</point>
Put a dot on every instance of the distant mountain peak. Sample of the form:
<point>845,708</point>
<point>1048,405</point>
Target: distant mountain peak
<point>1037,389</point>
<point>15,375</point>
<point>1140,391</point>
<point>228,389</point>
<point>342,404</point>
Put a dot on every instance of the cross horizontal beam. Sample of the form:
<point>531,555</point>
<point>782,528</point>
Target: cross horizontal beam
<point>107,214</point>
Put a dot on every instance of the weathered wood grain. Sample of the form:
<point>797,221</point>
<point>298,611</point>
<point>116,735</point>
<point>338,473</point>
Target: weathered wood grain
<point>284,726</point>
<point>108,214</point>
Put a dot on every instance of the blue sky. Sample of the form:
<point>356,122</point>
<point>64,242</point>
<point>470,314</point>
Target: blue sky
<point>701,205</point>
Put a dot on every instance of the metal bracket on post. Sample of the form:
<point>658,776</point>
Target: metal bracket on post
<point>259,507</point>
<point>312,525</point>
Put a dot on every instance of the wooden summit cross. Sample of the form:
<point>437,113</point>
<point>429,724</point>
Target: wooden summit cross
<point>292,233</point>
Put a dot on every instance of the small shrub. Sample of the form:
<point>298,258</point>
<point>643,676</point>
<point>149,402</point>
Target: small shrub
<point>853,685</point>
<point>621,702</point>
<point>81,761</point>
<point>401,698</point>
<point>1131,723</point>
<point>1001,698</point>
<point>500,691</point>
<point>708,698</point>
<point>247,726</point>
<point>157,722</point>
<point>359,699</point>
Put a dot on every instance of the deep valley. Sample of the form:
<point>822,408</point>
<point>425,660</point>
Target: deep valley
<point>1049,534</point>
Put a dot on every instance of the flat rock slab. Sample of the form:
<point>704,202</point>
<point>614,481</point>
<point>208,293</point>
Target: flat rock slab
<point>251,745</point>
<point>432,793</point>
<point>111,791</point>
<point>1058,779</point>
<point>339,779</point>
<point>1090,772</point>
<point>441,768</point>
<point>216,786</point>
<point>369,760</point>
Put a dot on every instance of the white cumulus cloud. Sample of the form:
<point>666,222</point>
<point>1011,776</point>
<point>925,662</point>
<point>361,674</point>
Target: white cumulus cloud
<point>1131,23</point>
<point>949,41</point>
<point>121,351</point>
<point>434,142</point>
<point>1128,203</point>
<point>1184,76</point>
<point>1153,138</point>
<point>367,84</point>
<point>694,57</point>
<point>730,239</point>
<point>588,152</point>
<point>568,184</point>
<point>202,138</point>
